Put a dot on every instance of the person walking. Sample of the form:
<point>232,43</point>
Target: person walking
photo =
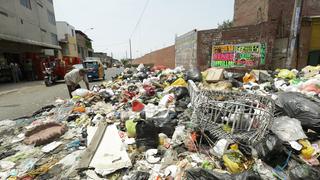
<point>18,72</point>
<point>13,72</point>
<point>73,78</point>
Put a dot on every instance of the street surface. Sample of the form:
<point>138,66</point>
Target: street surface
<point>22,99</point>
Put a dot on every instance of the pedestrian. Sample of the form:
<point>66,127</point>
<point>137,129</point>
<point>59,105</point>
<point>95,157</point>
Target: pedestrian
<point>18,71</point>
<point>13,72</point>
<point>73,78</point>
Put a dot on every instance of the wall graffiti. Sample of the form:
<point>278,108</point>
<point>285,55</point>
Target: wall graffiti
<point>238,55</point>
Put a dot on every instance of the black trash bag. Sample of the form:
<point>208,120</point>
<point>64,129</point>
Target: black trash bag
<point>303,171</point>
<point>236,83</point>
<point>72,117</point>
<point>180,92</point>
<point>202,174</point>
<point>247,175</point>
<point>298,106</point>
<point>194,75</point>
<point>106,96</point>
<point>139,175</point>
<point>270,145</point>
<point>147,135</point>
<point>182,104</point>
<point>166,123</point>
<point>44,109</point>
<point>265,78</point>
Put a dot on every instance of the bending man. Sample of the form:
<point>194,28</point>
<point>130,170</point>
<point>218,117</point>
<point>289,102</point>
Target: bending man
<point>73,78</point>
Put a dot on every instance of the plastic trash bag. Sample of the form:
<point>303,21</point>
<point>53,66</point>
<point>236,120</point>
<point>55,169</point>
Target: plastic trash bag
<point>140,175</point>
<point>179,83</point>
<point>202,174</point>
<point>288,129</point>
<point>270,145</point>
<point>286,74</point>
<point>131,128</point>
<point>312,85</point>
<point>194,75</point>
<point>137,106</point>
<point>80,92</point>
<point>249,78</point>
<point>147,135</point>
<point>180,92</point>
<point>166,122</point>
<point>303,171</point>
<point>296,105</point>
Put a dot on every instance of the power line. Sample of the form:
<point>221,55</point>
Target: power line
<point>140,18</point>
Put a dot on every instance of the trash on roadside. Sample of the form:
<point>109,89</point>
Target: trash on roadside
<point>161,123</point>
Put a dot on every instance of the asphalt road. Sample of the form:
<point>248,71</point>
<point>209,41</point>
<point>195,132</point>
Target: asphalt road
<point>22,100</point>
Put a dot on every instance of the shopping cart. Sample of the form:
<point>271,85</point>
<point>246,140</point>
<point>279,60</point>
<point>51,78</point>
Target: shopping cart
<point>239,116</point>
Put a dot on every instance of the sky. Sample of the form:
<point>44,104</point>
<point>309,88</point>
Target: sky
<point>114,22</point>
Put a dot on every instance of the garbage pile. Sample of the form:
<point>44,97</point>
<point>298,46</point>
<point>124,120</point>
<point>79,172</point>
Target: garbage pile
<point>159,123</point>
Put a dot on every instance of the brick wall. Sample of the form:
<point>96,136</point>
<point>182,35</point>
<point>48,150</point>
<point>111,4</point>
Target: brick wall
<point>311,8</point>
<point>165,56</point>
<point>204,50</point>
<point>249,12</point>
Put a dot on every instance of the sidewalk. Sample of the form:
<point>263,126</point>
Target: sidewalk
<point>13,87</point>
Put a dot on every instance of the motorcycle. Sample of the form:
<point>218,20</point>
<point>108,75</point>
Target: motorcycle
<point>49,77</point>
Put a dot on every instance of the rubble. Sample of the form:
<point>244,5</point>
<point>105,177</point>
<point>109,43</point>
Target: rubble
<point>164,123</point>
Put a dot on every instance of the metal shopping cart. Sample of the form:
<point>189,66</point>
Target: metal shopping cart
<point>239,116</point>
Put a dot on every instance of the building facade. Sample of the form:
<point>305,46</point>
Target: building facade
<point>84,45</point>
<point>28,36</point>
<point>259,38</point>
<point>68,42</point>
<point>105,59</point>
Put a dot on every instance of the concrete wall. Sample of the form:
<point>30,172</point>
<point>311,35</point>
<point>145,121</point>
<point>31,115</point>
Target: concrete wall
<point>82,46</point>
<point>27,24</point>
<point>165,56</point>
<point>67,39</point>
<point>186,50</point>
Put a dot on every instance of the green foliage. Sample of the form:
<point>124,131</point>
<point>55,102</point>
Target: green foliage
<point>225,24</point>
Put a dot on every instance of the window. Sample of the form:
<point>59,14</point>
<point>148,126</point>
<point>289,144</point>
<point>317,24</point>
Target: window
<point>50,1</point>
<point>51,18</point>
<point>26,3</point>
<point>43,30</point>
<point>72,31</point>
<point>54,39</point>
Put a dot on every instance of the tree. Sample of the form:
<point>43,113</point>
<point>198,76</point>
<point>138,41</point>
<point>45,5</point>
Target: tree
<point>225,24</point>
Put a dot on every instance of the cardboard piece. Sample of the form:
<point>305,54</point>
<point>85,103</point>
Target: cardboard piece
<point>214,75</point>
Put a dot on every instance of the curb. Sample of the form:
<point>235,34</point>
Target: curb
<point>8,92</point>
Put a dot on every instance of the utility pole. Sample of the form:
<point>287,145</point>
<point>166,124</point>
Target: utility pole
<point>130,49</point>
<point>294,32</point>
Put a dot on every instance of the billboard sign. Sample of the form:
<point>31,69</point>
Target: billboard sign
<point>238,55</point>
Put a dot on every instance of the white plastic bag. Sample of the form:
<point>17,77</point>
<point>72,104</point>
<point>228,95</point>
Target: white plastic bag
<point>80,92</point>
<point>288,129</point>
